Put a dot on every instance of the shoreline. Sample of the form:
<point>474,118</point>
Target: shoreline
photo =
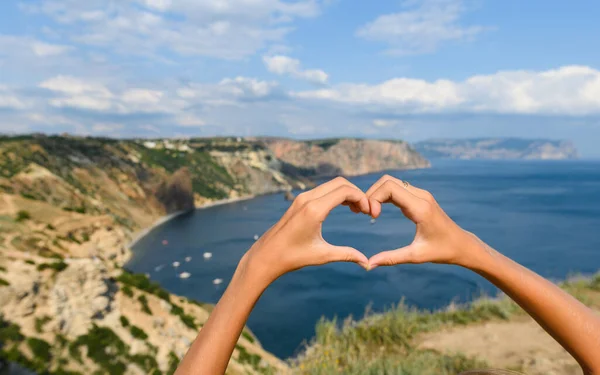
<point>163,219</point>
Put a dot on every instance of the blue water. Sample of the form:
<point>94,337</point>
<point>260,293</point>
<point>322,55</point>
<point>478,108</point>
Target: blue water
<point>545,215</point>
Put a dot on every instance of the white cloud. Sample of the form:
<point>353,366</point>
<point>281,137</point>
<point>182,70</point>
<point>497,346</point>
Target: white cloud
<point>42,49</point>
<point>381,123</point>
<point>9,99</point>
<point>106,127</point>
<point>284,65</point>
<point>224,29</point>
<point>421,27</point>
<point>570,90</point>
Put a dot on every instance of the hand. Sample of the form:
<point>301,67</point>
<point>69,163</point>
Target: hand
<point>296,240</point>
<point>438,239</point>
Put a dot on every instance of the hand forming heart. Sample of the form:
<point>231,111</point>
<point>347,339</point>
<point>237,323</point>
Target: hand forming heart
<point>296,240</point>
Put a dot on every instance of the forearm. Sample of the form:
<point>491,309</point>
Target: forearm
<point>212,349</point>
<point>571,323</point>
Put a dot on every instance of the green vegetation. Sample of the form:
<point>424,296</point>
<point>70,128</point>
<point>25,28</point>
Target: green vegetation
<point>188,320</point>
<point>248,336</point>
<point>40,349</point>
<point>126,289</point>
<point>80,210</point>
<point>124,321</point>
<point>29,261</point>
<point>138,333</point>
<point>208,176</point>
<point>3,269</point>
<point>4,282</point>
<point>144,302</point>
<point>50,227</point>
<point>104,347</point>
<point>173,362</point>
<point>56,266</point>
<point>41,322</point>
<point>142,282</point>
<point>22,216</point>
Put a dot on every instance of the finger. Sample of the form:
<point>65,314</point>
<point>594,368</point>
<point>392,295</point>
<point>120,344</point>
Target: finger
<point>378,183</point>
<point>390,191</point>
<point>346,254</point>
<point>403,255</point>
<point>322,206</point>
<point>421,193</point>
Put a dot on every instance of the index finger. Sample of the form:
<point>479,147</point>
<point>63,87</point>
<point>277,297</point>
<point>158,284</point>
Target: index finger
<point>325,204</point>
<point>390,191</point>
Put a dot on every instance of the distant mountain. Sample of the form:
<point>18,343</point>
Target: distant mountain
<point>497,148</point>
<point>345,156</point>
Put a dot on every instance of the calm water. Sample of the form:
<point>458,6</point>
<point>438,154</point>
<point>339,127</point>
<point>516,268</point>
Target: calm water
<point>545,215</point>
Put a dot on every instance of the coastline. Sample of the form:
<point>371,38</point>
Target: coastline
<point>163,219</point>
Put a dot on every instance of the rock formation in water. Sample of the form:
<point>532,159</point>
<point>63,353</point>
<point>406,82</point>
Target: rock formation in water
<point>498,148</point>
<point>347,157</point>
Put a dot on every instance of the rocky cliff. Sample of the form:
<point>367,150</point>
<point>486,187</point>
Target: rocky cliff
<point>498,148</point>
<point>348,157</point>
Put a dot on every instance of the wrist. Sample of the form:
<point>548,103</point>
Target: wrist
<point>252,274</point>
<point>476,252</point>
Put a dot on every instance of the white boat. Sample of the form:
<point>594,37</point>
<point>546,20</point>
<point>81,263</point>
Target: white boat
<point>256,237</point>
<point>176,264</point>
<point>217,281</point>
<point>158,268</point>
<point>184,275</point>
<point>187,259</point>
<point>207,255</point>
<point>373,221</point>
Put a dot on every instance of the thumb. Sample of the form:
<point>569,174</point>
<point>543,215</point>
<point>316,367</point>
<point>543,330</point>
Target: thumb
<point>392,257</point>
<point>346,254</point>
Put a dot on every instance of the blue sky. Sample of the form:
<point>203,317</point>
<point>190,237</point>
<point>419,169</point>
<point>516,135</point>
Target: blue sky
<point>411,69</point>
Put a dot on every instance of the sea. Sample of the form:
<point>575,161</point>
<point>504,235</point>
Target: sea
<point>543,214</point>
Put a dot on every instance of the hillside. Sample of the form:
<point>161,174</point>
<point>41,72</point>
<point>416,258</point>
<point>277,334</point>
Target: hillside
<point>497,148</point>
<point>347,157</point>
<point>69,207</point>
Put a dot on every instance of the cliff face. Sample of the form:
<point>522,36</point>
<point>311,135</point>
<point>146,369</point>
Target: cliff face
<point>348,157</point>
<point>68,210</point>
<point>498,148</point>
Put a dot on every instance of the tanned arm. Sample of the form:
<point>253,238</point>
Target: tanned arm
<point>294,242</point>
<point>439,240</point>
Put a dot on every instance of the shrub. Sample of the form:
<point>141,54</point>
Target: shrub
<point>127,291</point>
<point>142,282</point>
<point>41,322</point>
<point>56,266</point>
<point>124,321</point>
<point>29,261</point>
<point>144,302</point>
<point>41,350</point>
<point>104,347</point>
<point>138,333</point>
<point>4,282</point>
<point>22,216</point>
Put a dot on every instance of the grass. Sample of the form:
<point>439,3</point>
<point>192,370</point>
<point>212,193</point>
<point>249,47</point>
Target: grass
<point>385,343</point>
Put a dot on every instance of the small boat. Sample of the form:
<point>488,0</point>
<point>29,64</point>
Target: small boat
<point>158,268</point>
<point>256,237</point>
<point>207,255</point>
<point>185,275</point>
<point>176,264</point>
<point>373,221</point>
<point>187,259</point>
<point>217,281</point>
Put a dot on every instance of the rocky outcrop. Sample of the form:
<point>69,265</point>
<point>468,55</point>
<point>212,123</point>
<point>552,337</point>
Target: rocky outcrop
<point>498,148</point>
<point>176,194</point>
<point>347,157</point>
